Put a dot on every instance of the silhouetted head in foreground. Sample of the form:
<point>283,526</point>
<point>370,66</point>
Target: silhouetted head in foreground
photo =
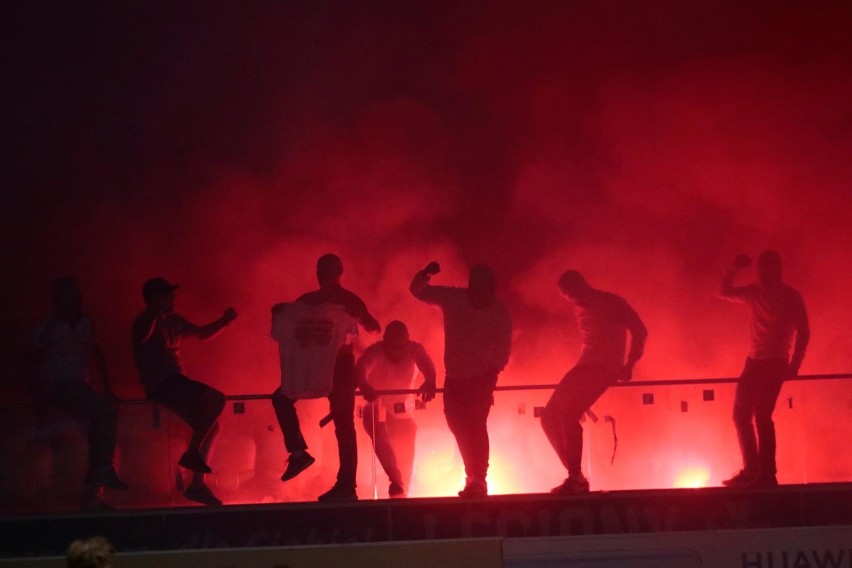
<point>481,285</point>
<point>396,340</point>
<point>94,552</point>
<point>67,299</point>
<point>769,268</point>
<point>573,286</point>
<point>329,270</point>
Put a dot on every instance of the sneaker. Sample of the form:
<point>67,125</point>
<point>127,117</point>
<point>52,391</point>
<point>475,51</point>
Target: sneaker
<point>572,485</point>
<point>92,500</point>
<point>105,477</point>
<point>193,461</point>
<point>474,489</point>
<point>743,478</point>
<point>751,479</point>
<point>338,494</point>
<point>200,493</point>
<point>296,464</point>
<point>764,480</point>
<point>396,490</point>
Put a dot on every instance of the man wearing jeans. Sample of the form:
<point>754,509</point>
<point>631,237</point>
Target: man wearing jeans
<point>393,364</point>
<point>776,313</point>
<point>477,344</point>
<point>604,320</point>
<point>340,363</point>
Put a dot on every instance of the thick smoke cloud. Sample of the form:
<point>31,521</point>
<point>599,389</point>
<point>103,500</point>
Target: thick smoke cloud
<point>226,147</point>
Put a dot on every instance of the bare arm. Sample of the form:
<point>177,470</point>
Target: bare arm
<point>638,337</point>
<point>427,368</point>
<point>210,330</point>
<point>42,336</point>
<point>362,369</point>
<point>803,337</point>
<point>419,286</point>
<point>727,290</point>
<point>504,342</point>
<point>368,322</point>
<point>97,355</point>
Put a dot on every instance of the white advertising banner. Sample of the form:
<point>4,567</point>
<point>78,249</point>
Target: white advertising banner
<point>810,547</point>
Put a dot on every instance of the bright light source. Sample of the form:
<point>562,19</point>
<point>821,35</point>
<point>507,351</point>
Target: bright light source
<point>692,477</point>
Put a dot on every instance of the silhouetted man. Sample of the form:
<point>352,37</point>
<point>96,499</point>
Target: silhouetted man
<point>776,313</point>
<point>393,364</point>
<point>157,335</point>
<point>477,344</point>
<point>322,328</point>
<point>66,344</point>
<point>604,320</point>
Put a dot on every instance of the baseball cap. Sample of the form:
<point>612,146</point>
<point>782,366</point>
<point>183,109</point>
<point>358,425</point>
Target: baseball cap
<point>157,286</point>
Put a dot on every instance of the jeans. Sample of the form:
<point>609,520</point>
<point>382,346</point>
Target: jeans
<point>391,437</point>
<point>83,402</point>
<point>575,393</point>
<point>467,403</point>
<point>757,393</point>
<point>342,406</point>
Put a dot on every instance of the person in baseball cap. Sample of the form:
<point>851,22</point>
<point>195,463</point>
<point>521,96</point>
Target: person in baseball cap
<point>157,286</point>
<point>157,334</point>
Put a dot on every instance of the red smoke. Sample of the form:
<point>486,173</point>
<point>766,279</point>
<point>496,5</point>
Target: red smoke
<point>644,147</point>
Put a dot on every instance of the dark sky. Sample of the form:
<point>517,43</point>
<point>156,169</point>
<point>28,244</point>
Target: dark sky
<point>225,145</point>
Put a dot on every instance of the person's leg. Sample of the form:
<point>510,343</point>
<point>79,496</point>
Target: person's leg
<point>342,404</point>
<point>378,432</point>
<point>455,408</point>
<point>576,392</point>
<point>198,405</point>
<point>402,432</point>
<point>204,416</point>
<point>83,402</point>
<point>467,403</point>
<point>744,405</point>
<point>772,375</point>
<point>288,421</point>
<point>205,450</point>
<point>479,448</point>
<point>299,459</point>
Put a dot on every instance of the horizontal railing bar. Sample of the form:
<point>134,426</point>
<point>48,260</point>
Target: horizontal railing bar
<point>501,388</point>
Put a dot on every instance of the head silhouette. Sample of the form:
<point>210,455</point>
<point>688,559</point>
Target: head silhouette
<point>67,298</point>
<point>329,270</point>
<point>158,294</point>
<point>93,552</point>
<point>573,286</point>
<point>481,285</point>
<point>396,340</point>
<point>769,268</point>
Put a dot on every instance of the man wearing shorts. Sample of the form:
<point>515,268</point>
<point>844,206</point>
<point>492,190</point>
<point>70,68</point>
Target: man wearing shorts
<point>157,335</point>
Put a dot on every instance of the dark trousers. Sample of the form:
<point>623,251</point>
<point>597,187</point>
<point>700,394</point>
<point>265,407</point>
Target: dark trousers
<point>575,393</point>
<point>757,393</point>
<point>199,405</point>
<point>81,401</point>
<point>467,402</point>
<point>392,437</point>
<point>342,406</point>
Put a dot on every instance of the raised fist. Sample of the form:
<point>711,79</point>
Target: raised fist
<point>742,261</point>
<point>229,315</point>
<point>432,268</point>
